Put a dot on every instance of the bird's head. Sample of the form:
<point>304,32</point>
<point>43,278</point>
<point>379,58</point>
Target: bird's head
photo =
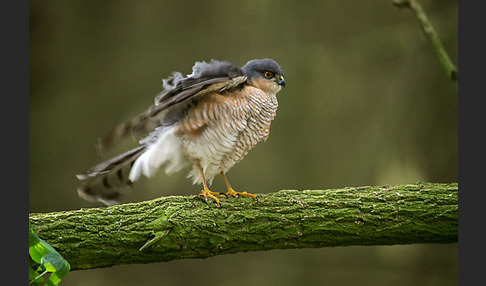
<point>265,74</point>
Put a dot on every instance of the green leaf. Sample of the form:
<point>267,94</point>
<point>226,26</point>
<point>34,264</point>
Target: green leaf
<point>33,238</point>
<point>38,247</point>
<point>33,275</point>
<point>52,262</point>
<point>57,265</point>
<point>48,258</point>
<point>37,251</point>
<point>55,278</point>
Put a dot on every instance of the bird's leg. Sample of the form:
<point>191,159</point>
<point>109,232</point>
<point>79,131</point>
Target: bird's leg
<point>233,193</point>
<point>206,192</point>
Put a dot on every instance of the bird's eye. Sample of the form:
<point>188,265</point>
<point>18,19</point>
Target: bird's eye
<point>268,74</point>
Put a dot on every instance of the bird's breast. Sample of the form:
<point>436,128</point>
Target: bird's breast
<point>222,128</point>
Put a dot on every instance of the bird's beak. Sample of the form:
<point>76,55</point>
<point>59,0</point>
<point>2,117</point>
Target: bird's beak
<point>281,81</point>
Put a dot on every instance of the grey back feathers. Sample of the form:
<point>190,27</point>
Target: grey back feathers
<point>177,89</point>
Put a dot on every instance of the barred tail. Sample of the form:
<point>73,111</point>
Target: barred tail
<point>108,181</point>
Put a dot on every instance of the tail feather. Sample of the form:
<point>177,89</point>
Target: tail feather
<point>108,181</point>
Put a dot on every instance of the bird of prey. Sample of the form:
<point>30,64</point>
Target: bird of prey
<point>208,120</point>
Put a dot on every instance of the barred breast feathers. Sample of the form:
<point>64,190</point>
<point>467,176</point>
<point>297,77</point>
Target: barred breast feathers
<point>238,122</point>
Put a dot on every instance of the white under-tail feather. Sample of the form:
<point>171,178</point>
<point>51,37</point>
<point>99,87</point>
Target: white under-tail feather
<point>164,148</point>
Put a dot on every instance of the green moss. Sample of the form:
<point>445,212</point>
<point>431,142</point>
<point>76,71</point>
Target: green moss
<point>179,227</point>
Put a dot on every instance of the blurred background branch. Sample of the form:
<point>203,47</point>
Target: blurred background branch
<point>177,227</point>
<point>432,38</point>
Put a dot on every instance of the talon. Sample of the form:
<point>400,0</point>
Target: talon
<point>233,193</point>
<point>207,193</point>
<point>238,195</point>
<point>201,196</point>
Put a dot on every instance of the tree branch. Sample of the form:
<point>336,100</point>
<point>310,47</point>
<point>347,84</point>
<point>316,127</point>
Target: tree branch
<point>178,227</point>
<point>432,37</point>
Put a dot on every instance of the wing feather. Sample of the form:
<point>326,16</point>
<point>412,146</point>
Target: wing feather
<point>216,76</point>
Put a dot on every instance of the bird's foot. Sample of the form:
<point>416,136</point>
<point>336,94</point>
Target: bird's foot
<point>206,193</point>
<point>236,194</point>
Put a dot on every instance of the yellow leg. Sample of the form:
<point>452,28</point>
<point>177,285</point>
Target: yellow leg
<point>206,192</point>
<point>235,194</point>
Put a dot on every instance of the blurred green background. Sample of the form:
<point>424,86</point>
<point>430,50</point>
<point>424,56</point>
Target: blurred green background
<point>366,103</point>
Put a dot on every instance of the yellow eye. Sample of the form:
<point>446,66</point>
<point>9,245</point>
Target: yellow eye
<point>268,74</point>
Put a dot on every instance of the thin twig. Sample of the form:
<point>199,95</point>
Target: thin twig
<point>432,37</point>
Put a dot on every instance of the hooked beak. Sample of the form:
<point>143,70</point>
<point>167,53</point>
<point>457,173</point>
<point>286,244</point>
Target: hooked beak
<point>281,81</point>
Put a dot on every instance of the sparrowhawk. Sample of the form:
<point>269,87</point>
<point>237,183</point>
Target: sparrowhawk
<point>208,120</point>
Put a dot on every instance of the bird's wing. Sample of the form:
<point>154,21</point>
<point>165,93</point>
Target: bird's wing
<point>215,76</point>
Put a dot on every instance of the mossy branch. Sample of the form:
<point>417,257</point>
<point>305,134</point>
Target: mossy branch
<point>179,227</point>
<point>432,37</point>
